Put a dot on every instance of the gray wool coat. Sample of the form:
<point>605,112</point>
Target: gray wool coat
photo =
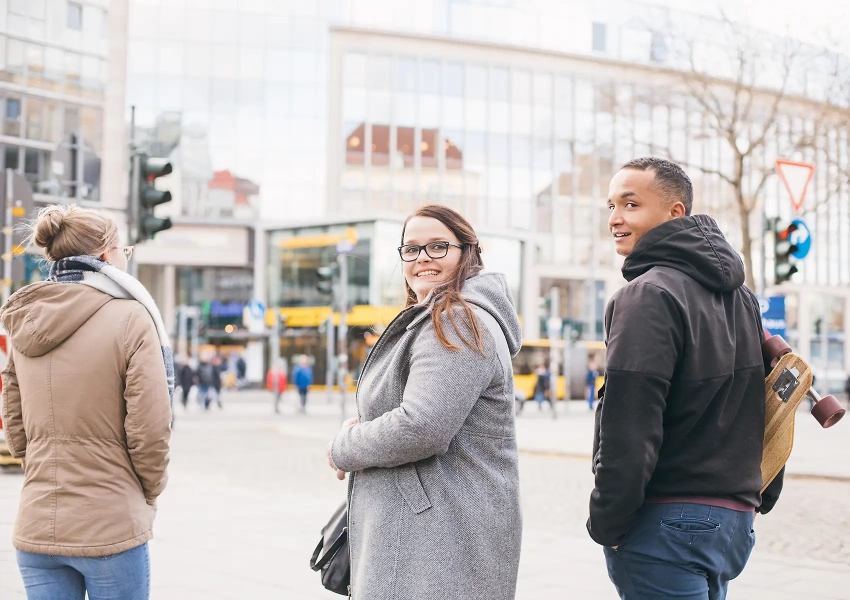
<point>434,506</point>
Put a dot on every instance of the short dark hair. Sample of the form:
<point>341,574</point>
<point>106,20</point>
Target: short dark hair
<point>670,178</point>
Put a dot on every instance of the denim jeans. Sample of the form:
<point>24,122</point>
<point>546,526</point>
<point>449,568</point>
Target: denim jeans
<point>207,394</point>
<point>682,551</point>
<point>124,576</point>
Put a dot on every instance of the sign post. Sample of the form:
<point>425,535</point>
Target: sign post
<point>343,249</point>
<point>773,314</point>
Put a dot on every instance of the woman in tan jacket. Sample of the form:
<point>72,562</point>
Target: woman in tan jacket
<point>86,395</point>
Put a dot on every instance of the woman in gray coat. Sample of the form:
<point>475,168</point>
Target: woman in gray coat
<point>434,508</point>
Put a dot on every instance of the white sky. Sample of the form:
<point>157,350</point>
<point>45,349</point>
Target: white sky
<point>808,20</point>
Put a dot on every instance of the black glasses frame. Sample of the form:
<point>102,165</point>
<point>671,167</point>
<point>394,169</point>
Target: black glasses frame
<point>425,248</point>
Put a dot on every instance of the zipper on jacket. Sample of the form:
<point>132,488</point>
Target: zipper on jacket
<point>351,476</point>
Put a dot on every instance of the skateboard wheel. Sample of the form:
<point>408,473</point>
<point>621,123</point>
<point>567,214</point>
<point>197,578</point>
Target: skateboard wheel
<point>828,411</point>
<point>773,348</point>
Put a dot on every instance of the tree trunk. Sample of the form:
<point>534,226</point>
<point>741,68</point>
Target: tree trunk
<point>746,240</point>
<point>744,215</point>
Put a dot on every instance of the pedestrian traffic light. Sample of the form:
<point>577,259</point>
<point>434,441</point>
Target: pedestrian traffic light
<point>145,172</point>
<point>326,277</point>
<point>783,249</point>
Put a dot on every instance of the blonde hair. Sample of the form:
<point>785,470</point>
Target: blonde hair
<point>64,230</point>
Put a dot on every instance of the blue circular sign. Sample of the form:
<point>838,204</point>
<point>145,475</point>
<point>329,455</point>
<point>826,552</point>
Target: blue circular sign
<point>802,238</point>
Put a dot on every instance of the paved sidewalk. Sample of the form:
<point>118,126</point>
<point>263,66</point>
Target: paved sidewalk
<point>817,452</point>
<point>249,490</point>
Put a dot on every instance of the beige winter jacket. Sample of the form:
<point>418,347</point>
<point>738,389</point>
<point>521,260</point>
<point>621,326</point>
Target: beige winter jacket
<point>85,405</point>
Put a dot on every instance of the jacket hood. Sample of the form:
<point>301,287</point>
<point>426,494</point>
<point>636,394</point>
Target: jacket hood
<point>490,292</point>
<point>41,316</point>
<point>693,245</point>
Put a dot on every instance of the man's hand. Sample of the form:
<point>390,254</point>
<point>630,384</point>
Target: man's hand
<point>614,547</point>
<point>346,425</point>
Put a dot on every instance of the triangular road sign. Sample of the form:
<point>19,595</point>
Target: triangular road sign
<point>796,177</point>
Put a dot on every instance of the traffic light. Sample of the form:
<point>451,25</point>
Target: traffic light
<point>326,279</point>
<point>783,249</point>
<point>145,172</point>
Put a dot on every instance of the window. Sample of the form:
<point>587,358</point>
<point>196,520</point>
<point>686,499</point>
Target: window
<point>499,85</point>
<point>599,37</point>
<point>454,80</point>
<point>11,156</point>
<point>18,7</point>
<point>13,109</point>
<point>430,76</point>
<point>75,16</point>
<point>12,117</point>
<point>658,48</point>
<point>476,82</point>
<point>406,74</point>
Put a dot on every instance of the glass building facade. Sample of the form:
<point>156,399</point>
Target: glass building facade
<point>374,270</point>
<point>52,91</point>
<point>375,284</point>
<point>244,87</point>
<point>515,113</point>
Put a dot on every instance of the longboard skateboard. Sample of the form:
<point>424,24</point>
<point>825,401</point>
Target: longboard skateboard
<point>789,381</point>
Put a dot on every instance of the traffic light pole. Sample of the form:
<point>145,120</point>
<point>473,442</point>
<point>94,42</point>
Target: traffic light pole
<point>555,325</point>
<point>7,235</point>
<point>342,259</point>
<point>329,371</point>
<point>133,209</point>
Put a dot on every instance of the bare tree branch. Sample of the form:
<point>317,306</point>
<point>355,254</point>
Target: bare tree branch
<point>770,122</point>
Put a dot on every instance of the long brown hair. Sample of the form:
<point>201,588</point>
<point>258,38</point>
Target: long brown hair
<point>448,293</point>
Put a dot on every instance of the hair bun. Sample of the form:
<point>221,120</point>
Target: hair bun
<point>50,222</point>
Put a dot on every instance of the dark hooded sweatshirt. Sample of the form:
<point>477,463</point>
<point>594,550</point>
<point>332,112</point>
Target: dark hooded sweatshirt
<point>682,409</point>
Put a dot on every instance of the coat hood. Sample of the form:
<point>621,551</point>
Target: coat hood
<point>41,316</point>
<point>693,245</point>
<point>490,292</point>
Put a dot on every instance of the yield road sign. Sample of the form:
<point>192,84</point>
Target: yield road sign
<point>796,177</point>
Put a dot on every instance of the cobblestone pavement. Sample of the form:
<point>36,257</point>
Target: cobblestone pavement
<point>811,519</point>
<point>248,492</point>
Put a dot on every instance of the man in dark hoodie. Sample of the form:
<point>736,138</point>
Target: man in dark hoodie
<point>680,422</point>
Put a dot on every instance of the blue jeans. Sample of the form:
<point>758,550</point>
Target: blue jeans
<point>207,394</point>
<point>124,576</point>
<point>682,551</point>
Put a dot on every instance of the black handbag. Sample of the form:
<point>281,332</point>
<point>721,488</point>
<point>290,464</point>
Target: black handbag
<point>331,555</point>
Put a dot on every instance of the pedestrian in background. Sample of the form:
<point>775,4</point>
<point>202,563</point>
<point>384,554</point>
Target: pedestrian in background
<point>86,396</point>
<point>590,383</point>
<point>241,371</point>
<point>218,369</point>
<point>186,379</point>
<point>543,388</point>
<point>434,509</point>
<point>206,381</point>
<point>276,383</point>
<point>302,377</point>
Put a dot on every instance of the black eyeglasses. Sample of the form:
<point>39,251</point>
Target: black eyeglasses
<point>410,252</point>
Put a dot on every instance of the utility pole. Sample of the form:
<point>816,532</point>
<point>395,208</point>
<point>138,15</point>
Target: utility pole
<point>133,193</point>
<point>8,231</point>
<point>342,258</point>
<point>329,341</point>
<point>274,350</point>
<point>554,327</point>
